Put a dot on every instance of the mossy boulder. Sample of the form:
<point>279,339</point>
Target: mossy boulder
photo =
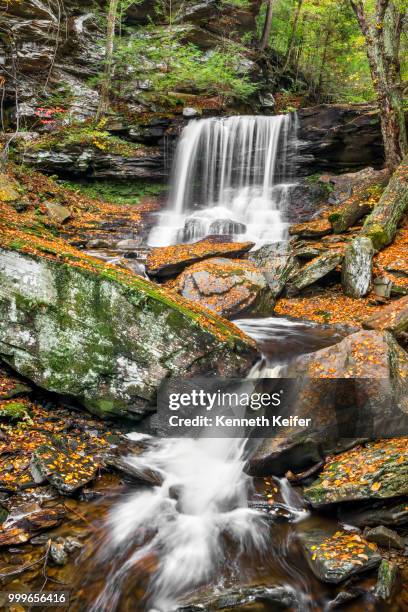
<point>106,337</point>
<point>378,470</point>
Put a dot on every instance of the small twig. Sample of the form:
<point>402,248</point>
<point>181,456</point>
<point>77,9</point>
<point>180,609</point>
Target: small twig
<point>26,567</point>
<point>82,517</point>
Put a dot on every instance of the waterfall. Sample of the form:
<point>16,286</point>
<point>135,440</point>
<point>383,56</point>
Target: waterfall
<point>230,176</point>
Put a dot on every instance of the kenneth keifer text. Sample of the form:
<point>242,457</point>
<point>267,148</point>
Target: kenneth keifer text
<point>223,421</point>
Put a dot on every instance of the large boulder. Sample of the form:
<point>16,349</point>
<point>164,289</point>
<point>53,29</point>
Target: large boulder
<point>169,261</point>
<point>105,336</point>
<point>357,388</point>
<point>226,286</point>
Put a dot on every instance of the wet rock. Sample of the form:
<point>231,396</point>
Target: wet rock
<point>387,580</point>
<point>334,558</point>
<point>281,598</point>
<point>57,212</point>
<point>228,287</point>
<point>393,514</point>
<point>58,553</point>
<point>190,113</point>
<point>169,261</point>
<point>22,522</point>
<point>312,272</point>
<point>339,137</point>
<point>344,597</point>
<point>63,467</point>
<point>130,467</point>
<point>100,243</point>
<point>357,267</point>
<point>312,229</point>
<point>106,338</point>
<point>384,537</point>
<point>277,264</point>
<point>227,227</point>
<point>381,474</point>
<point>129,244</point>
<point>393,318</point>
<point>277,455</point>
<point>369,399</point>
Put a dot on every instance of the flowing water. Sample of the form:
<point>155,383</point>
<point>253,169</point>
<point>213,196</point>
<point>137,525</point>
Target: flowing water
<point>203,526</point>
<point>230,176</point>
<point>198,527</point>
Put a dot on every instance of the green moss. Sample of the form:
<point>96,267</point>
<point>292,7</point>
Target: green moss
<point>15,411</point>
<point>333,217</point>
<point>85,135</point>
<point>377,234</point>
<point>123,192</point>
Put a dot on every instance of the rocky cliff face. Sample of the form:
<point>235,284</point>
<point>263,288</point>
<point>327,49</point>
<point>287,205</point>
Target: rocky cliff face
<point>54,49</point>
<point>51,53</point>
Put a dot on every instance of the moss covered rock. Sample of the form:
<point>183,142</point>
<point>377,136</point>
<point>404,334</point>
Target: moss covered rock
<point>378,470</point>
<point>335,557</point>
<point>106,337</point>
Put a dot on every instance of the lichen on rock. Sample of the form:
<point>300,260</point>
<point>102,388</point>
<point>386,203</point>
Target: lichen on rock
<point>106,337</point>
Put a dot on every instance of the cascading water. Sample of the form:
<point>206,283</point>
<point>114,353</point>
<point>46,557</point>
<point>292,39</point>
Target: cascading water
<point>230,176</point>
<point>184,522</point>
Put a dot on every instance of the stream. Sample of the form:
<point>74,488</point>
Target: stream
<point>204,535</point>
<point>209,528</point>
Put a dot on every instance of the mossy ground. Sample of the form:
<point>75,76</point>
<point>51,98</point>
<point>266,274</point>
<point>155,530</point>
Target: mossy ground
<point>86,135</point>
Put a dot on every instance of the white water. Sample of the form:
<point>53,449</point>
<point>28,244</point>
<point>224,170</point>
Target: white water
<point>230,176</point>
<point>184,524</point>
<point>202,499</point>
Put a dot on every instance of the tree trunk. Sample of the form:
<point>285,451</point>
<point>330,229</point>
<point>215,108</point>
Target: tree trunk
<point>292,36</point>
<point>383,35</point>
<point>348,214</point>
<point>323,63</point>
<point>107,77</point>
<point>267,26</point>
<point>381,226</point>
